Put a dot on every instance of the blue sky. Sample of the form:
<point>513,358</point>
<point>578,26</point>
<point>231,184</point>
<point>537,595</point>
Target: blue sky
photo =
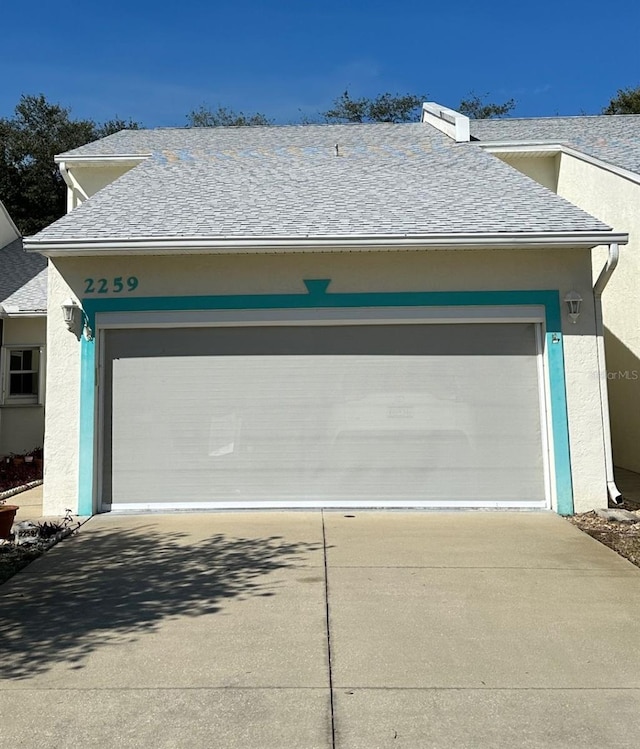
<point>156,61</point>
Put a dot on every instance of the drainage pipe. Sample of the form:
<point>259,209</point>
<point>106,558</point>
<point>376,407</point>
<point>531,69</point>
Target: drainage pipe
<point>603,279</point>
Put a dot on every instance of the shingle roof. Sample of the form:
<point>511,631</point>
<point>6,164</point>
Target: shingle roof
<point>611,138</point>
<point>23,279</point>
<point>387,179</point>
<point>237,141</point>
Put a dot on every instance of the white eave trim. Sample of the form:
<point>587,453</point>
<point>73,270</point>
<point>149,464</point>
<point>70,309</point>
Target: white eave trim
<point>102,160</point>
<point>516,147</point>
<point>12,311</point>
<point>389,243</point>
<point>550,148</point>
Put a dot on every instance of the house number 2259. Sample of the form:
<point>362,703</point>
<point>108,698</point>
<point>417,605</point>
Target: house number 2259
<point>105,285</point>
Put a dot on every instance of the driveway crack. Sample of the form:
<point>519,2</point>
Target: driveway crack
<point>329,653</point>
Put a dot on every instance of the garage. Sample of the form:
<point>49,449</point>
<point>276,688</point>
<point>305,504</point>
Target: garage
<point>348,315</point>
<point>331,414</point>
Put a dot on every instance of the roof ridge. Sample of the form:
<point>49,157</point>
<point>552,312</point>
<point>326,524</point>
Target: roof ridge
<point>547,118</point>
<point>251,128</point>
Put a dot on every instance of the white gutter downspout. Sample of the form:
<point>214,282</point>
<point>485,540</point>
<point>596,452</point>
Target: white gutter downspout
<point>605,274</point>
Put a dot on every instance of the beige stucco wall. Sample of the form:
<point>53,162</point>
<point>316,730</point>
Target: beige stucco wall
<point>350,272</point>
<point>543,169</point>
<point>616,201</point>
<point>61,417</point>
<point>25,330</point>
<point>22,427</point>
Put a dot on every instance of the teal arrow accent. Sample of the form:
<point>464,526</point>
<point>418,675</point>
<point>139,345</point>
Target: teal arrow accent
<point>317,286</point>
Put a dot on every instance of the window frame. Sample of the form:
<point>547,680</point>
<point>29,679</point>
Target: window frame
<point>6,399</point>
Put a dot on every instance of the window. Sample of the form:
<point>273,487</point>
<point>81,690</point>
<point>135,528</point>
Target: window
<point>21,375</point>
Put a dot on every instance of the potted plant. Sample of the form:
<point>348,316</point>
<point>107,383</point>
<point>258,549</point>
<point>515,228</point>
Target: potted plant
<point>37,455</point>
<point>7,516</point>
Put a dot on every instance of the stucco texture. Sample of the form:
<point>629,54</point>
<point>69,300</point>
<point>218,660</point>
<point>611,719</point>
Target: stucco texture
<point>564,270</point>
<point>615,200</point>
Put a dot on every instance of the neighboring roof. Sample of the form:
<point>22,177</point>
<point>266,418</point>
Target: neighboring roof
<point>388,180</point>
<point>8,230</point>
<point>614,139</point>
<point>23,280</point>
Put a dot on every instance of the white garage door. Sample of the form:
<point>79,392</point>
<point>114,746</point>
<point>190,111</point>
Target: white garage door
<point>332,415</point>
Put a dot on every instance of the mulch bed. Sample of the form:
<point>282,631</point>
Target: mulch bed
<point>14,558</point>
<point>18,474</point>
<point>33,540</point>
<point>623,538</point>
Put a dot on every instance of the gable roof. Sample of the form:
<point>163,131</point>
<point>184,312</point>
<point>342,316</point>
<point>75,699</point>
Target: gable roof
<point>8,230</point>
<point>231,185</point>
<point>614,139</point>
<point>23,280</point>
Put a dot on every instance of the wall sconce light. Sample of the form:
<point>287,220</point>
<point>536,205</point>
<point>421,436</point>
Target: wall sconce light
<point>71,313</point>
<point>573,301</point>
<point>75,319</point>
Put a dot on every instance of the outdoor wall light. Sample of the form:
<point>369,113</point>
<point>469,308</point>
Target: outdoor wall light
<point>71,313</point>
<point>573,301</point>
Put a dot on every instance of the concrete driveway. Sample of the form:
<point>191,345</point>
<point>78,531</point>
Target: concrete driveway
<point>312,629</point>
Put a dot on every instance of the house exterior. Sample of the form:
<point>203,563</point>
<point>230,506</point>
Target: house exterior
<point>594,162</point>
<point>321,316</point>
<point>23,309</point>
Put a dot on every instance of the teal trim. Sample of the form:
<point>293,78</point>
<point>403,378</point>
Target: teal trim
<point>86,449</point>
<point>559,425</point>
<point>318,297</point>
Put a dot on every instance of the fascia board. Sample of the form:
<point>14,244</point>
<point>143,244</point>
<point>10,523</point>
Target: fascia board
<point>13,310</point>
<point>240,245</point>
<point>523,149</point>
<point>24,313</point>
<point>102,160</point>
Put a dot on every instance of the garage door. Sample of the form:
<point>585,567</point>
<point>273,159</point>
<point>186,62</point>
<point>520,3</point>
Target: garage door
<point>331,415</point>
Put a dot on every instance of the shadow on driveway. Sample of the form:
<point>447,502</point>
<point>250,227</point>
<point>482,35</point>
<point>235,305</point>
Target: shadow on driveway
<point>108,586</point>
